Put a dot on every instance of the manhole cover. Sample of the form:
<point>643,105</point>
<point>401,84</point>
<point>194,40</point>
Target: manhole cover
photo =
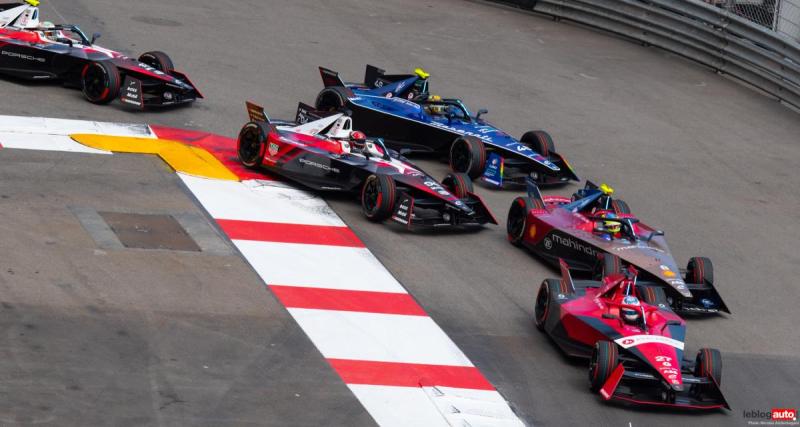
<point>149,231</point>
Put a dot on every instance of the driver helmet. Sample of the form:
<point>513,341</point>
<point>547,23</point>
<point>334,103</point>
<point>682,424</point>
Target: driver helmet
<point>630,310</point>
<point>48,30</point>
<point>612,227</point>
<point>437,109</point>
<point>358,139</point>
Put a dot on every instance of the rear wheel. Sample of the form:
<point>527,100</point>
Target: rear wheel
<point>620,207</point>
<point>459,184</point>
<point>517,221</point>
<point>331,99</point>
<point>708,364</point>
<point>100,82</point>
<point>605,359</point>
<point>609,264</point>
<point>700,271</point>
<point>540,141</point>
<point>544,300</point>
<point>251,144</point>
<point>468,155</point>
<point>377,197</point>
<point>158,60</point>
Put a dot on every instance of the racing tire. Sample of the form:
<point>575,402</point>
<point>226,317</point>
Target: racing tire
<point>620,207</point>
<point>655,296</point>
<point>332,98</point>
<point>544,302</point>
<point>517,220</point>
<point>378,195</point>
<point>468,155</point>
<point>539,141</point>
<point>158,60</point>
<point>700,270</point>
<point>100,82</point>
<point>708,364</point>
<point>605,358</point>
<point>610,264</point>
<point>251,145</point>
<point>459,184</point>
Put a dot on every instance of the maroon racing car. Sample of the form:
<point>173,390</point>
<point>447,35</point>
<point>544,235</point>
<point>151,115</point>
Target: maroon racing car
<point>634,342</point>
<point>323,151</point>
<point>597,234</point>
<point>34,50</point>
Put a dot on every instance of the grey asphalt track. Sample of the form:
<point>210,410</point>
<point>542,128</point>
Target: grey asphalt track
<point>707,160</point>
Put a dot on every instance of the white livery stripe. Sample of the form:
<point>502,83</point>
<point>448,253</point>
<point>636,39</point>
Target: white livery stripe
<point>379,337</point>
<point>332,267</point>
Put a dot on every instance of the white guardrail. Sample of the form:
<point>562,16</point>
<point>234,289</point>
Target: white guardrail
<point>715,37</point>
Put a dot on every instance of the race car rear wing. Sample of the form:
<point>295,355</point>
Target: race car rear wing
<point>306,113</point>
<point>330,78</point>
<point>257,115</point>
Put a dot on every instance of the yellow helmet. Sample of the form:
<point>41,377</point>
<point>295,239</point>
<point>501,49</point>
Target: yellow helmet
<point>612,226</point>
<point>33,3</point>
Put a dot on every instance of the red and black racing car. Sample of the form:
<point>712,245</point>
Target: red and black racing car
<point>34,50</point>
<point>323,151</point>
<point>596,234</point>
<point>634,342</point>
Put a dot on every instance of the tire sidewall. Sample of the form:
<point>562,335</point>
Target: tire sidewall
<point>261,142</point>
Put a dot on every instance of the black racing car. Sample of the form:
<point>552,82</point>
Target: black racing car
<point>43,51</point>
<point>322,151</point>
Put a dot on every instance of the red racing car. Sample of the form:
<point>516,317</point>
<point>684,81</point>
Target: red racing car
<point>634,343</point>
<point>596,234</point>
<point>34,50</point>
<point>323,151</point>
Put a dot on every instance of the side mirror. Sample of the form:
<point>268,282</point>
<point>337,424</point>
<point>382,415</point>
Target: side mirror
<point>480,112</point>
<point>609,316</point>
<point>95,36</point>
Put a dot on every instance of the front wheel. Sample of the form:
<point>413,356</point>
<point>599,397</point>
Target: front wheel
<point>605,358</point>
<point>517,221</point>
<point>708,364</point>
<point>251,145</point>
<point>468,155</point>
<point>539,141</point>
<point>100,82</point>
<point>158,60</point>
<point>700,270</point>
<point>544,303</point>
<point>459,184</point>
<point>377,197</point>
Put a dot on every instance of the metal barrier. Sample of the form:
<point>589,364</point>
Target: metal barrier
<point>712,36</point>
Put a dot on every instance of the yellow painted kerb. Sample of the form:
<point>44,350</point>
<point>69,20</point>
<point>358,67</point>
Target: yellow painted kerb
<point>181,157</point>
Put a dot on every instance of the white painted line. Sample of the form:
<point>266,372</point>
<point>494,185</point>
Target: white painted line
<point>473,407</point>
<point>399,406</point>
<point>31,141</point>
<point>49,126</point>
<point>254,200</point>
<point>331,267</point>
<point>379,337</point>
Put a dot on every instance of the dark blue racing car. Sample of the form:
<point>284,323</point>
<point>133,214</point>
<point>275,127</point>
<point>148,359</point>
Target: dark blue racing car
<point>400,109</point>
